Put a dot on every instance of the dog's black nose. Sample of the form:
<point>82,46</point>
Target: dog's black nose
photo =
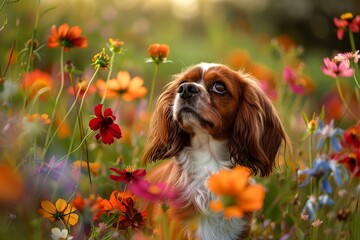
<point>188,90</point>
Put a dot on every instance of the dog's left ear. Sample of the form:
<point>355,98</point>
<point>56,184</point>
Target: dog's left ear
<point>258,132</point>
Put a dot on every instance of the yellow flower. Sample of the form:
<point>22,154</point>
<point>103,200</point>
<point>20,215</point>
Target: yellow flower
<point>101,60</point>
<point>123,86</point>
<point>236,195</point>
<point>62,211</point>
<point>94,167</point>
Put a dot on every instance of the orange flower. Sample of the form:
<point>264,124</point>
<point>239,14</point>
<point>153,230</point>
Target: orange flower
<point>94,168</point>
<point>11,184</point>
<point>116,45</point>
<point>44,118</point>
<point>81,86</point>
<point>158,53</point>
<point>236,195</point>
<point>66,37</point>
<point>124,86</point>
<point>37,82</point>
<point>62,211</point>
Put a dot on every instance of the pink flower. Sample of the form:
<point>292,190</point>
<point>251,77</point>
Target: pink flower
<point>293,80</point>
<point>347,56</point>
<point>153,192</point>
<point>270,92</point>
<point>108,128</point>
<point>346,21</point>
<point>335,69</point>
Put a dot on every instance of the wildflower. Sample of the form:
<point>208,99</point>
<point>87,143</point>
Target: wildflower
<point>236,195</point>
<point>324,199</point>
<point>304,217</point>
<point>128,174</point>
<point>293,80</point>
<point>322,169</point>
<point>158,53</point>
<point>351,160</point>
<point>116,45</point>
<point>94,168</point>
<point>317,223</point>
<point>271,93</point>
<point>131,217</point>
<point>11,184</point>
<point>101,60</point>
<point>43,118</point>
<point>153,192</point>
<point>80,88</point>
<point>62,211</point>
<point>310,208</point>
<point>37,82</point>
<point>352,136</point>
<point>124,86</point>
<point>53,169</point>
<point>108,129</point>
<point>66,37</point>
<point>343,214</point>
<point>336,69</point>
<point>328,133</point>
<point>347,56</point>
<point>346,22</point>
<point>57,234</point>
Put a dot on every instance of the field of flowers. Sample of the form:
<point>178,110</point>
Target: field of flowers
<point>79,80</point>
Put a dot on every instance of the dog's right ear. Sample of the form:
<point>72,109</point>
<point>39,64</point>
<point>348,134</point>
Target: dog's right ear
<point>164,138</point>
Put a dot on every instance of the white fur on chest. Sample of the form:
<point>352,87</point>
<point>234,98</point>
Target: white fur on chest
<point>205,156</point>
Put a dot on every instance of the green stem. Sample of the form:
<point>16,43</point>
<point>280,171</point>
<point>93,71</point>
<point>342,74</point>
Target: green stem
<point>108,76</point>
<point>310,159</point>
<point>343,99</point>
<point>152,88</point>
<point>80,145</point>
<point>52,119</point>
<point>87,89</point>
<point>352,41</point>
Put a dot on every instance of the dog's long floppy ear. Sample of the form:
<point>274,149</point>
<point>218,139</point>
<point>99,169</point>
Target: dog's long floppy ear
<point>164,137</point>
<point>258,132</point>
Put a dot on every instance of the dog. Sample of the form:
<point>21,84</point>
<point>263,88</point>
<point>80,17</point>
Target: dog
<point>210,118</point>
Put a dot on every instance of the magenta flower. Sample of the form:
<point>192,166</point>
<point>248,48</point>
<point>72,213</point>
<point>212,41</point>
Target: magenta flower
<point>346,21</point>
<point>106,123</point>
<point>270,92</point>
<point>335,69</point>
<point>347,56</point>
<point>128,175</point>
<point>153,192</point>
<point>293,80</point>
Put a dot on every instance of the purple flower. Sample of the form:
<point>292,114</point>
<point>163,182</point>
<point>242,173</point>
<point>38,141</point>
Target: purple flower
<point>54,169</point>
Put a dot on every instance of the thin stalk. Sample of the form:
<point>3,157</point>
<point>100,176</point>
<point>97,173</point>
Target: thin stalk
<point>108,76</point>
<point>152,88</point>
<point>343,99</point>
<point>52,119</point>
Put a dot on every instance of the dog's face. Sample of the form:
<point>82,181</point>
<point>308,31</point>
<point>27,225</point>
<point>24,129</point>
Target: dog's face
<point>228,105</point>
<point>207,99</point>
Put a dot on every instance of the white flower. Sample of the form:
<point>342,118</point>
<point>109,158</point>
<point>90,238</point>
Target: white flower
<point>58,234</point>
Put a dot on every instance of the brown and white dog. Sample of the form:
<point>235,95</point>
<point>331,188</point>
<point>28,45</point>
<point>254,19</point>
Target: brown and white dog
<point>210,118</point>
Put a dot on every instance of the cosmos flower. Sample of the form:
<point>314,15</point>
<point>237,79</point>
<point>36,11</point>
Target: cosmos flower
<point>108,129</point>
<point>61,211</point>
<point>336,69</point>
<point>122,86</point>
<point>57,234</point>
<point>67,37</point>
<point>346,22</point>
<point>37,82</point>
<point>236,195</point>
<point>158,53</point>
<point>128,174</point>
<point>153,192</point>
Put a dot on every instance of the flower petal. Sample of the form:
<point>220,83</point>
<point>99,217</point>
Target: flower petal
<point>98,110</point>
<point>48,206</point>
<point>61,205</point>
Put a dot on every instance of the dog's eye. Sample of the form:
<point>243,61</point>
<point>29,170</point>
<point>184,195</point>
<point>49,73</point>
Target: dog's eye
<point>219,88</point>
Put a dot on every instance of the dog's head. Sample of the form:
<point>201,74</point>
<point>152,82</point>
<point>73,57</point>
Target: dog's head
<point>225,104</point>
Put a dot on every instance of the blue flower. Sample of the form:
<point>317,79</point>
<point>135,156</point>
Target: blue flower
<point>311,207</point>
<point>328,132</point>
<point>323,169</point>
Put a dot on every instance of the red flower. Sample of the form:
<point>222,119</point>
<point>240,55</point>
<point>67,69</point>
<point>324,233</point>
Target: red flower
<point>352,137</point>
<point>131,217</point>
<point>128,174</point>
<point>66,37</point>
<point>346,20</point>
<point>108,129</point>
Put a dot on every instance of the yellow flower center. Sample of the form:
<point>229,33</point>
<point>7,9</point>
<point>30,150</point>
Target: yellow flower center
<point>129,169</point>
<point>154,189</point>
<point>346,16</point>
